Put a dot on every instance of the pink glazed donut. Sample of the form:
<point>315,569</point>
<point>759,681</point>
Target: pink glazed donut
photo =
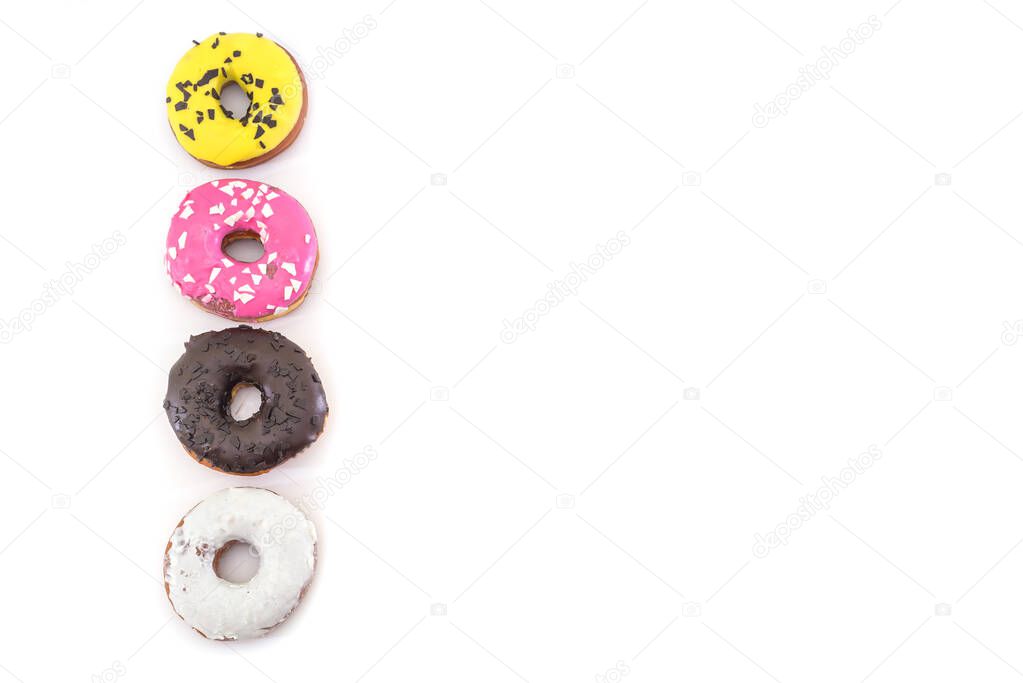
<point>219,212</point>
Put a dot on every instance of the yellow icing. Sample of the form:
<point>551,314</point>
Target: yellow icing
<point>222,140</point>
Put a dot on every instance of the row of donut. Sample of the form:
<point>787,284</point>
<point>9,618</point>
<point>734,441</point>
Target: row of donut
<point>215,365</point>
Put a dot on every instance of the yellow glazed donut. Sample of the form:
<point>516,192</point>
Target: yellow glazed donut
<point>267,74</point>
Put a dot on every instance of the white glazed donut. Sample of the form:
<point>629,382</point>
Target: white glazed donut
<point>219,609</point>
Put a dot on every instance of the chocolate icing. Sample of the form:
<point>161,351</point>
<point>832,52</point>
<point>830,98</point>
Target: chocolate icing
<point>200,388</point>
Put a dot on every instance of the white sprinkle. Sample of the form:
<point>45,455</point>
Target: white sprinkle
<point>233,279</point>
<point>246,270</point>
<point>186,212</point>
<point>280,309</point>
<point>262,268</point>
<point>256,279</point>
<point>287,292</point>
<point>234,202</point>
<point>216,226</point>
<point>290,267</point>
<point>218,209</point>
<point>233,218</point>
<point>213,274</point>
<point>250,213</point>
<point>247,288</point>
<point>272,195</point>
<point>248,193</point>
<point>261,224</point>
<point>270,307</point>
<point>263,187</point>
<point>227,262</point>
<point>215,183</point>
<point>172,252</point>
<point>228,190</point>
<point>181,240</point>
<point>297,284</point>
<point>267,211</point>
<point>246,298</point>
<point>188,278</point>
<point>210,288</point>
<point>206,298</point>
<point>308,238</point>
<point>271,257</point>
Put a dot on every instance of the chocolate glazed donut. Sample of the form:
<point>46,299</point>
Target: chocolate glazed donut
<point>204,380</point>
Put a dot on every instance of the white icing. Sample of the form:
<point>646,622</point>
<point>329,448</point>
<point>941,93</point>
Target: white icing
<point>219,609</point>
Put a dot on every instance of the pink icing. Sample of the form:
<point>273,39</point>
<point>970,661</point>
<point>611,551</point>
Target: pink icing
<point>200,269</point>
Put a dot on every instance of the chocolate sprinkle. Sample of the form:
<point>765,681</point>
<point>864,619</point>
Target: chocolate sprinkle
<point>199,392</point>
<point>206,78</point>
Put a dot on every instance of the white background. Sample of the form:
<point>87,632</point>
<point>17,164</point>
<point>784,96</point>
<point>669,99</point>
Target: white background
<point>817,283</point>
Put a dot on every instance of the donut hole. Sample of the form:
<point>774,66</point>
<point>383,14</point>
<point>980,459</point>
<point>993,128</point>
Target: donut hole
<point>236,561</point>
<point>234,101</point>
<point>243,245</point>
<point>246,400</point>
